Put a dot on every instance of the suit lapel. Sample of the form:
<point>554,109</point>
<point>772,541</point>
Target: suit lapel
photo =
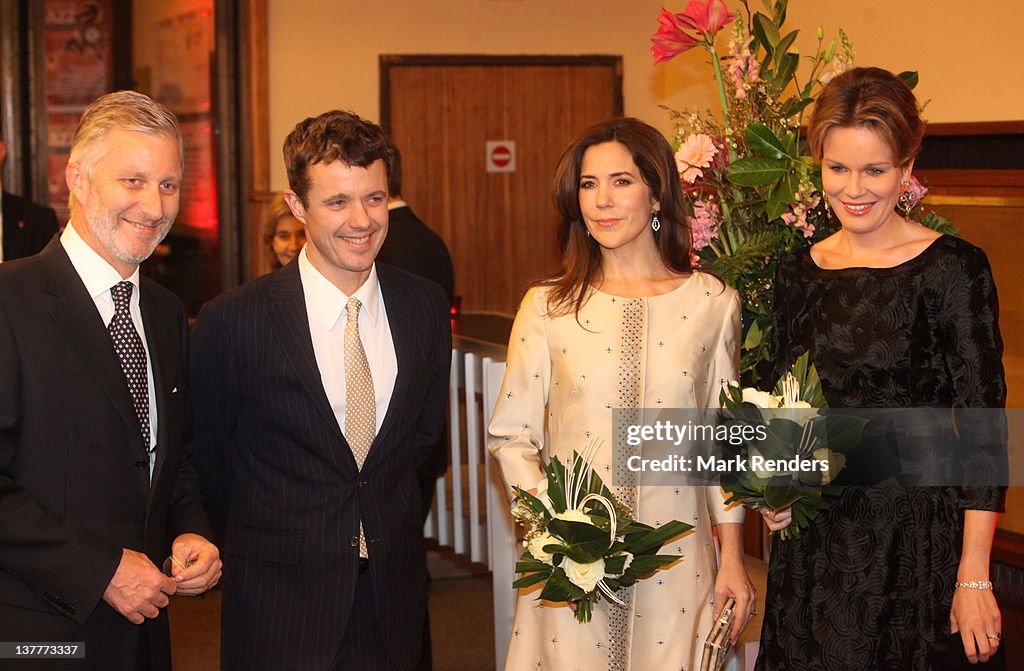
<point>75,314</point>
<point>291,323</point>
<point>160,341</point>
<point>400,315</point>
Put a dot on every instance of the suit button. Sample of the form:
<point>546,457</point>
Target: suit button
<point>354,541</point>
<point>360,483</point>
<point>141,463</point>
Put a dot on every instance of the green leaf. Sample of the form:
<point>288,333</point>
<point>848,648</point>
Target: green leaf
<point>762,140</point>
<point>766,32</point>
<point>559,588</point>
<point>909,77</point>
<point>556,484</point>
<point>785,43</point>
<point>584,542</point>
<point>754,336</point>
<point>653,540</point>
<point>779,497</point>
<point>775,208</point>
<point>528,580</point>
<point>755,171</point>
<point>794,106</point>
<point>786,66</point>
<point>780,12</point>
<point>530,565</point>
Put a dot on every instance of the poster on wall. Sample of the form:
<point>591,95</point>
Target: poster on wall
<point>79,52</point>
<point>181,72</point>
<point>79,69</point>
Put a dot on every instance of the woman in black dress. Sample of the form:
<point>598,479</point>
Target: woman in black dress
<point>894,315</point>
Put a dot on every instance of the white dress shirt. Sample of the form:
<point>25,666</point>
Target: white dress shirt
<point>99,277</point>
<point>325,311</point>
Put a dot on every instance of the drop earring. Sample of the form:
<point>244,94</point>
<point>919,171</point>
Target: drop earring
<point>655,222</point>
<point>905,201</point>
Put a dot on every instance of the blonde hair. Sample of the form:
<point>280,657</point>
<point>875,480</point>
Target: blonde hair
<point>869,98</point>
<point>122,110</point>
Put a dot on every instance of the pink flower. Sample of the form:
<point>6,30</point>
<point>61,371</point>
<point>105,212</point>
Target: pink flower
<point>695,153</point>
<point>797,216</point>
<point>699,22</point>
<point>917,190</point>
<point>670,40</point>
<point>707,17</point>
<point>704,223</point>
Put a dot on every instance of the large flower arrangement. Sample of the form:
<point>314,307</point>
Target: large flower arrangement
<point>754,195</point>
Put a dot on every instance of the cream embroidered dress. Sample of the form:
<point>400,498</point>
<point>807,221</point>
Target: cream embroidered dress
<point>563,379</point>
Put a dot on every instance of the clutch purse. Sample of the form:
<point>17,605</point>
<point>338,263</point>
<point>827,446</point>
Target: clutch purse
<point>716,647</point>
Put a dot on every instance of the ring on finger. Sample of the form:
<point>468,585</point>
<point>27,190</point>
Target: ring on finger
<point>995,636</point>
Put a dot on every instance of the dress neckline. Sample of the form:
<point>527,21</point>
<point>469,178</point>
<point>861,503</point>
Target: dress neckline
<point>684,283</point>
<point>879,270</point>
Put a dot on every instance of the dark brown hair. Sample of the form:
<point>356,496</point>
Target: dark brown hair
<point>333,136</point>
<point>870,98</point>
<point>581,262</point>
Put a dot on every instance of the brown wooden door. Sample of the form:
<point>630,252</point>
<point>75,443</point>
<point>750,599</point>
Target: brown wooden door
<point>440,112</point>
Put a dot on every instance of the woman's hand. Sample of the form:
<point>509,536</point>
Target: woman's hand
<point>776,520</point>
<point>732,581</point>
<point>975,614</point>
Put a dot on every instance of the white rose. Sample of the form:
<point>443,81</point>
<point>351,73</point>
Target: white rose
<point>584,576</point>
<point>572,515</point>
<point>536,547</point>
<point>761,470</point>
<point>835,461</point>
<point>761,399</point>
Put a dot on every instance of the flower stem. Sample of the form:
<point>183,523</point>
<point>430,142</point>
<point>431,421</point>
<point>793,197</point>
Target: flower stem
<point>730,144</point>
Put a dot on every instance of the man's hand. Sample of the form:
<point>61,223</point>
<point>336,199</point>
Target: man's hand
<point>138,589</point>
<point>196,564</point>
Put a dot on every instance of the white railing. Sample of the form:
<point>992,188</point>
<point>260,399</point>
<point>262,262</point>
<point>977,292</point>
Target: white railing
<point>471,513</point>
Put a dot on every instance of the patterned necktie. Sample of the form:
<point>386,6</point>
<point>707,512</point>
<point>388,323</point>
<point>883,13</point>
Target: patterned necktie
<point>360,403</point>
<point>132,354</point>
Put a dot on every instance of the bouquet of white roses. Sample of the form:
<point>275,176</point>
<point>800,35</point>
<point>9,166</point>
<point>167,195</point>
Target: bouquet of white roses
<point>581,542</point>
<point>798,451</point>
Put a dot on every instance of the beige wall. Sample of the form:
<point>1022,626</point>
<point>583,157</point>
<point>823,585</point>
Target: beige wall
<point>323,53</point>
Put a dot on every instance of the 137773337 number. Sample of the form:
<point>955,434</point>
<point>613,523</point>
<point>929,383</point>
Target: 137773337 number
<point>22,650</point>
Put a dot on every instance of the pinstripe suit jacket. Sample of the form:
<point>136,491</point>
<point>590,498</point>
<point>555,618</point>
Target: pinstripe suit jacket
<point>280,475</point>
<point>74,474</point>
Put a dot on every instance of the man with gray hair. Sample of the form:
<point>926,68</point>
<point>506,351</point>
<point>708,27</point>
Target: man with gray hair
<point>95,477</point>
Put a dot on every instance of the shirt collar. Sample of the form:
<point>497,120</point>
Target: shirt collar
<point>97,275</point>
<point>328,301</point>
<point>396,203</point>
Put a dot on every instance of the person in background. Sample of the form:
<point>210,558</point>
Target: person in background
<point>95,477</point>
<point>323,388</point>
<point>283,233</point>
<point>414,247</point>
<point>628,323</point>
<point>411,245</point>
<point>894,315</point>
<point>26,226</point>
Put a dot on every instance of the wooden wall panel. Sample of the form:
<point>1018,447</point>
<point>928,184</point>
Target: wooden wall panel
<point>499,227</point>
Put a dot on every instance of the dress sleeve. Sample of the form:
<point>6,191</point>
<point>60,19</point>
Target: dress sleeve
<point>973,350</point>
<point>516,431</point>
<point>725,366</point>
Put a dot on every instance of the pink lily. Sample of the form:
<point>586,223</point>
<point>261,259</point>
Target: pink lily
<point>698,23</point>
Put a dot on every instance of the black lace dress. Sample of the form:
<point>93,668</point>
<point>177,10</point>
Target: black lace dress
<point>870,583</point>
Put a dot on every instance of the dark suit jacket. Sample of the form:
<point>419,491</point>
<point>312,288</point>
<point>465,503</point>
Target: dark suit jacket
<point>277,470</point>
<point>27,226</point>
<point>74,474</point>
<point>413,247</point>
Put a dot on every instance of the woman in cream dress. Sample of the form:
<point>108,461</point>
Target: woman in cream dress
<point>627,324</point>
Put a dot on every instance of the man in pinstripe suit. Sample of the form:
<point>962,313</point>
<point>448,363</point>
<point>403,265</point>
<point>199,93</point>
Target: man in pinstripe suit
<point>324,562</point>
